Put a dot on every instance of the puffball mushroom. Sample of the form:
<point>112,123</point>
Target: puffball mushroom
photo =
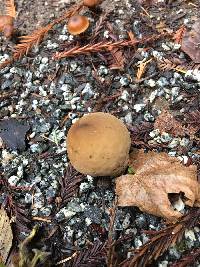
<point>77,24</point>
<point>98,144</point>
<point>91,3</point>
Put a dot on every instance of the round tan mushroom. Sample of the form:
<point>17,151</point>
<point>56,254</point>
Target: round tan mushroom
<point>91,3</point>
<point>77,24</point>
<point>98,144</point>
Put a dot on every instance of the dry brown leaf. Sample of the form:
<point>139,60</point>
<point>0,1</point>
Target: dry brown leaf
<point>6,236</point>
<point>118,59</point>
<point>178,36</point>
<point>165,122</point>
<point>141,69</point>
<point>191,41</point>
<point>157,175</point>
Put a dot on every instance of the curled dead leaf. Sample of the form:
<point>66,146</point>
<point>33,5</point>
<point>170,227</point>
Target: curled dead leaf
<point>157,175</point>
<point>6,236</point>
<point>190,42</point>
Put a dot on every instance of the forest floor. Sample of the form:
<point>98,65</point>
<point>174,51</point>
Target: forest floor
<point>77,213</point>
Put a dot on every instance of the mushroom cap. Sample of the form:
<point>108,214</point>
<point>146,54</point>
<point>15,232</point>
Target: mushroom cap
<point>98,144</point>
<point>6,25</point>
<point>91,3</point>
<point>77,24</point>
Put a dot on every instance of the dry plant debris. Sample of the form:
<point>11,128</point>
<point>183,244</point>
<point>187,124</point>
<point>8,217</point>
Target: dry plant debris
<point>168,64</point>
<point>161,240</point>
<point>178,36</point>
<point>92,256</point>
<point>29,41</point>
<point>13,133</point>
<point>104,46</point>
<point>166,122</point>
<point>190,43</point>
<point>28,256</point>
<point>6,236</point>
<point>157,175</point>
<point>7,21</point>
<point>188,259</point>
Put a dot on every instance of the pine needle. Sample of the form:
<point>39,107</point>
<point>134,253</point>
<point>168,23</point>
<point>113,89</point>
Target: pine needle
<point>10,8</point>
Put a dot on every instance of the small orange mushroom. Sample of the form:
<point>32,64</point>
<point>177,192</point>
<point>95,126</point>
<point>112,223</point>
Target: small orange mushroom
<point>91,3</point>
<point>77,24</point>
<point>6,25</point>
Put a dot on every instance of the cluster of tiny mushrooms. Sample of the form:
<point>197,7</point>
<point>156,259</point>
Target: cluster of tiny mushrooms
<point>77,24</point>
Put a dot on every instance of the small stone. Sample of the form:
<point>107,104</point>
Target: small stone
<point>125,95</point>
<point>184,142</point>
<point>179,205</point>
<point>64,213</point>
<point>189,234</point>
<point>174,143</point>
<point>36,148</point>
<point>166,137</point>
<point>84,187</point>
<point>185,159</point>
<point>166,47</point>
<point>162,82</point>
<point>88,90</point>
<point>138,242</point>
<point>128,118</point>
<point>151,83</point>
<point>154,133</point>
<point>139,107</point>
<point>153,96</point>
<point>45,60</point>
<point>13,180</point>
<point>126,221</point>
<point>102,71</point>
<point>94,214</point>
<point>124,81</point>
<point>28,198</point>
<point>148,117</point>
<point>88,221</point>
<point>163,264</point>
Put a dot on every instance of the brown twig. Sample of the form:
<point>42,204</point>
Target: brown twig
<point>111,242</point>
<point>103,46</point>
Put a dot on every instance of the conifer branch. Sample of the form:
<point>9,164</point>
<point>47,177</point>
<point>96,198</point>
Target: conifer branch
<point>103,46</point>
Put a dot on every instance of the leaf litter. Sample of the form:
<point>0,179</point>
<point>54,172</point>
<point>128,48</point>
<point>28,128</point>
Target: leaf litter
<point>141,132</point>
<point>191,41</point>
<point>6,236</point>
<point>156,176</point>
<point>13,133</point>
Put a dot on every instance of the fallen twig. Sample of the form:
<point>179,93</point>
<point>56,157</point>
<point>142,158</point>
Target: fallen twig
<point>103,46</point>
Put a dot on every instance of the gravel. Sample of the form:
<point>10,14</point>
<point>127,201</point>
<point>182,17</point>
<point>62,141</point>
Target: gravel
<point>52,103</point>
